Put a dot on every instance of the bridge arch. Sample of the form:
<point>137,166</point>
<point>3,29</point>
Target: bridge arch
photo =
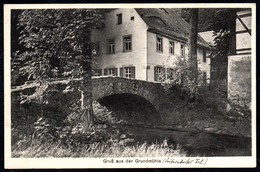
<point>112,86</point>
<point>131,108</point>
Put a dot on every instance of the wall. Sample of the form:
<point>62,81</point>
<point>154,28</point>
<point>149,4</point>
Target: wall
<point>137,28</point>
<point>239,79</point>
<point>166,59</point>
<point>204,66</point>
<point>243,38</point>
<point>160,58</point>
<point>239,66</point>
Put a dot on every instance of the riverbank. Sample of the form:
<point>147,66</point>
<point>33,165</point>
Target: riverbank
<point>195,143</point>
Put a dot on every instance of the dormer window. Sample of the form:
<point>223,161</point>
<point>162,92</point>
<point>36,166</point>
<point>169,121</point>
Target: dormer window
<point>119,18</point>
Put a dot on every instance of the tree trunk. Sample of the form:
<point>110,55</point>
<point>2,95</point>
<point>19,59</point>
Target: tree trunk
<point>86,87</point>
<point>232,38</point>
<point>192,43</point>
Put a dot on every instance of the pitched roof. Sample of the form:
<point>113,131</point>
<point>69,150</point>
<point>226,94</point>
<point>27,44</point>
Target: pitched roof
<point>208,36</point>
<point>169,22</point>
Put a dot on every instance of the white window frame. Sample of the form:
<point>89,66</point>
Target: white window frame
<point>159,44</point>
<point>127,43</point>
<point>159,70</point>
<point>111,46</point>
<point>127,72</point>
<point>182,49</point>
<point>111,71</point>
<point>171,47</point>
<point>96,72</point>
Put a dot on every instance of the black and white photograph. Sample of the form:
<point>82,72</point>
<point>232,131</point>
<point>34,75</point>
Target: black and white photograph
<point>129,86</point>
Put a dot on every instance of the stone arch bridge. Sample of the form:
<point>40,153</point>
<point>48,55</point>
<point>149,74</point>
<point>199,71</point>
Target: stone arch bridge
<point>114,88</point>
<point>149,91</point>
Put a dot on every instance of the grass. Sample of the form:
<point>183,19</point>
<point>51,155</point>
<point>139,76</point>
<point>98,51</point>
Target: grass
<point>96,150</point>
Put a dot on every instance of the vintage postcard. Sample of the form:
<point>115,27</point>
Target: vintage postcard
<point>130,85</point>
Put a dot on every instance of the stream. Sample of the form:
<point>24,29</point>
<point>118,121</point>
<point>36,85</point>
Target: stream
<point>196,144</point>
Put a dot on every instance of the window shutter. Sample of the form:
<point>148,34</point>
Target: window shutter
<point>105,71</point>
<point>100,72</point>
<point>121,72</point>
<point>133,72</point>
<point>155,77</point>
<point>115,71</point>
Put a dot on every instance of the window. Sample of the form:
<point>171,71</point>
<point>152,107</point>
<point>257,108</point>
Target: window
<point>127,43</point>
<point>110,46</point>
<point>127,72</point>
<point>171,47</point>
<point>159,44</point>
<point>158,73</point>
<point>97,72</point>
<point>110,71</point>
<point>182,50</point>
<point>204,56</point>
<point>119,18</point>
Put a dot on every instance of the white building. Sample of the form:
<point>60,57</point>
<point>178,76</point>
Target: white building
<point>139,43</point>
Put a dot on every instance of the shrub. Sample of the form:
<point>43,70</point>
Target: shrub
<point>71,131</point>
<point>239,107</point>
<point>180,78</point>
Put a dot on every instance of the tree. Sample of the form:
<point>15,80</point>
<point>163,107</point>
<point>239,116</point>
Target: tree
<point>192,43</point>
<point>56,44</point>
<point>189,67</point>
<point>222,21</point>
<point>223,24</point>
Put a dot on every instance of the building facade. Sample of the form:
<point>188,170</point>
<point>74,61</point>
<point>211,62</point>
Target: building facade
<point>141,43</point>
<point>240,64</point>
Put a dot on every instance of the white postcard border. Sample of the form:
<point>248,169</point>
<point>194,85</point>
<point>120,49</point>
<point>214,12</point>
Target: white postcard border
<point>28,163</point>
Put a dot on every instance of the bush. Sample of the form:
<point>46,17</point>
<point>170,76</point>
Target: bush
<point>70,131</point>
<point>181,78</point>
<point>240,109</point>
